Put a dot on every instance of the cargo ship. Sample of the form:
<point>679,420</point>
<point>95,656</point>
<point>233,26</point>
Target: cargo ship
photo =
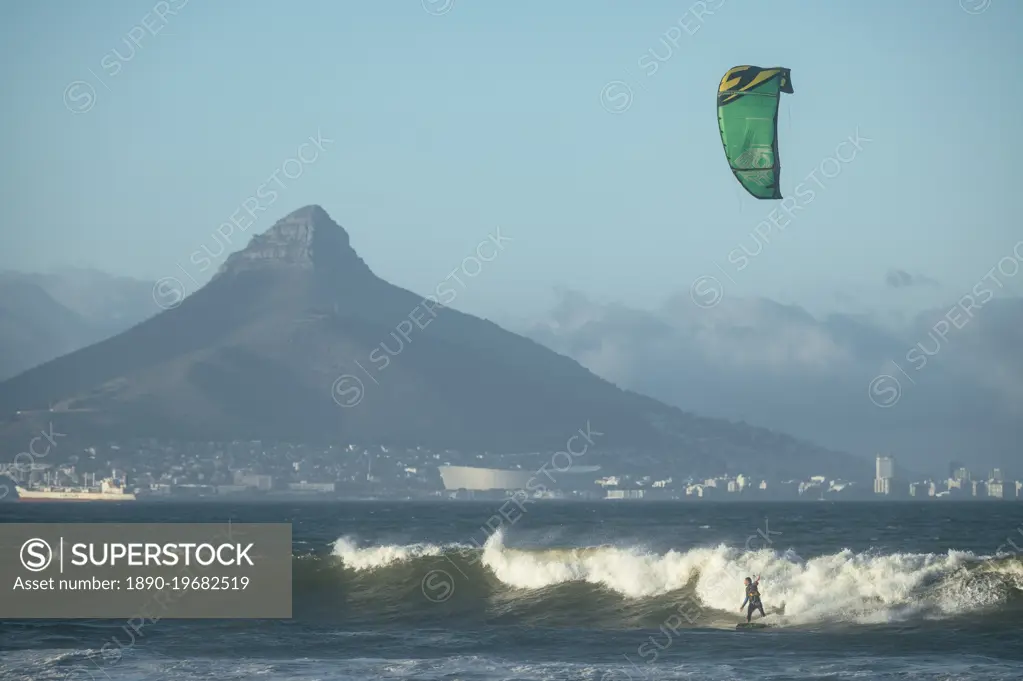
<point>108,490</point>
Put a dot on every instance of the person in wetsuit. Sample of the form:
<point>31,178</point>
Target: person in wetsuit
<point>753,598</point>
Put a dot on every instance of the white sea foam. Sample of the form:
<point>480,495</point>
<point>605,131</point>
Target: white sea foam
<point>372,557</point>
<point>862,587</point>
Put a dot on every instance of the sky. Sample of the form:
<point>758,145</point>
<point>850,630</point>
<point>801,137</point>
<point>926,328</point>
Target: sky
<point>584,131</point>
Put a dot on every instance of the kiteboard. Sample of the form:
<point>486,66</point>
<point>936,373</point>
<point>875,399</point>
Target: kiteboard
<point>751,625</point>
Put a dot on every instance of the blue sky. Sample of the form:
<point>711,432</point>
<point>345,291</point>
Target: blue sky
<point>447,126</point>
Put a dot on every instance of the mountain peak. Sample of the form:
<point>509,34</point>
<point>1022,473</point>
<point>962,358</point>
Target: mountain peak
<point>307,238</point>
<point>313,215</point>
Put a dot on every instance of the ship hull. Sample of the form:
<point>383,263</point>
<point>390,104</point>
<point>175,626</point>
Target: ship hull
<point>25,495</point>
<point>44,500</point>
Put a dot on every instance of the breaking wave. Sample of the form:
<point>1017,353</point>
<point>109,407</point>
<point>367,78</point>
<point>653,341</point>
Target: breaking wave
<point>615,586</point>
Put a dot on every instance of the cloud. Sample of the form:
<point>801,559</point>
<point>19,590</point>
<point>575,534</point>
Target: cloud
<point>780,367</point>
<point>903,279</point>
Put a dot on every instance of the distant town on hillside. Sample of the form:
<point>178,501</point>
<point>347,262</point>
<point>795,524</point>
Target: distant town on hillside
<point>157,470</point>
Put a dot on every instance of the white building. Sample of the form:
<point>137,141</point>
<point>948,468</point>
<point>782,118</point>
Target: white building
<point>625,494</point>
<point>922,489</point>
<point>304,486</point>
<point>884,475</point>
<point>480,479</point>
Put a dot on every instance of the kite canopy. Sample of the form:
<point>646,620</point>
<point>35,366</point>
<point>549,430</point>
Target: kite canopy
<point>748,100</point>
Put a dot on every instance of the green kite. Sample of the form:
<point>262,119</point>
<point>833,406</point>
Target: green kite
<point>748,119</point>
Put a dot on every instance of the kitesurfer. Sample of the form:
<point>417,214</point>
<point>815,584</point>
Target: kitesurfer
<point>753,598</point>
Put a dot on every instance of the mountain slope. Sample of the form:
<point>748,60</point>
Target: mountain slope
<point>256,353</point>
<point>110,303</point>
<point>43,316</point>
<point>35,328</point>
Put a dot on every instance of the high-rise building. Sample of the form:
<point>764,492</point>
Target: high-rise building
<point>962,473</point>
<point>884,475</point>
<point>996,475</point>
<point>952,468</point>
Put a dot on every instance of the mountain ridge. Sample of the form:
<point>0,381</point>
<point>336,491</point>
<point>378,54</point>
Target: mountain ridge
<point>43,316</point>
<point>256,352</point>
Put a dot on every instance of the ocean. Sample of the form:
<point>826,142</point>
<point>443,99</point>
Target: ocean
<point>611,591</point>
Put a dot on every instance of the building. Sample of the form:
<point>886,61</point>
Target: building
<point>996,475</point>
<point>482,479</point>
<point>625,494</point>
<point>884,475</point>
<point>260,482</point>
<point>315,487</point>
<point>883,486</point>
<point>700,490</point>
<point>922,489</point>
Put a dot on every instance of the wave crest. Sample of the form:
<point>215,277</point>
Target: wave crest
<point>864,587</point>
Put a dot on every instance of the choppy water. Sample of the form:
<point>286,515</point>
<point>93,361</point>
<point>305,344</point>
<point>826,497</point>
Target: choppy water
<point>606,591</point>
